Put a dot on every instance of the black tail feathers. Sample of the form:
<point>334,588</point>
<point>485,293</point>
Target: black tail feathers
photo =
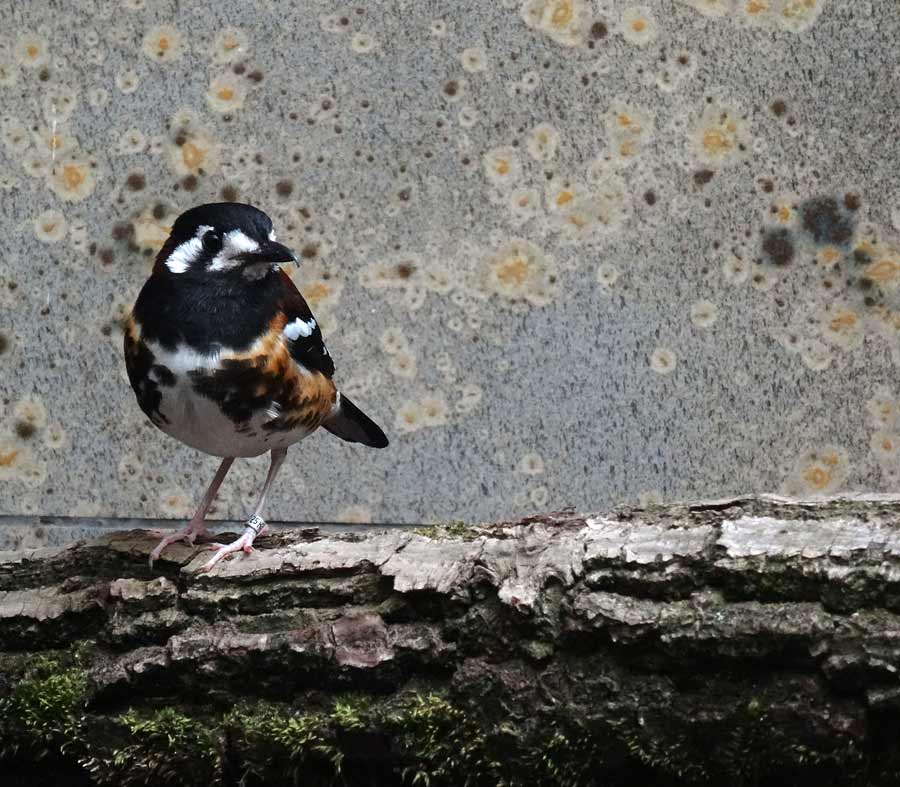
<point>353,425</point>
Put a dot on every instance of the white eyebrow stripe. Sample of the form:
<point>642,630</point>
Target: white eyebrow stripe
<point>236,241</point>
<point>299,327</point>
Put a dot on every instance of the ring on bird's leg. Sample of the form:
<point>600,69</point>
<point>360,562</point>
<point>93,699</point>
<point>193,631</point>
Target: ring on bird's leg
<point>255,524</point>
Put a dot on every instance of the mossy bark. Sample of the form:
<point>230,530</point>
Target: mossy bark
<point>735,641</point>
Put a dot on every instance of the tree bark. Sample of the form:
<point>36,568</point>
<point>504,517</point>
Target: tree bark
<point>687,643</point>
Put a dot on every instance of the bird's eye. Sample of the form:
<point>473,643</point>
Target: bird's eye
<point>211,242</point>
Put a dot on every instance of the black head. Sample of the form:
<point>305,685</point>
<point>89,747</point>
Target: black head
<point>223,238</point>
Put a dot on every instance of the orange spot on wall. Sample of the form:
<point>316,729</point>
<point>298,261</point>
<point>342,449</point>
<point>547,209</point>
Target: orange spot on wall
<point>845,320</point>
<point>817,477</point>
<point>316,292</point>
<point>73,176</point>
<point>562,13</point>
<point>7,459</point>
<point>716,142</point>
<point>882,271</point>
<point>192,155</point>
<point>514,271</point>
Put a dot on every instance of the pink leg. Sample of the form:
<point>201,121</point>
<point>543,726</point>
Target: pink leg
<point>196,527</point>
<point>256,524</point>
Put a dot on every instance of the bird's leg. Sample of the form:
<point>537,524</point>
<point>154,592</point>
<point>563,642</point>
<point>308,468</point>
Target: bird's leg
<point>256,524</point>
<point>196,527</point>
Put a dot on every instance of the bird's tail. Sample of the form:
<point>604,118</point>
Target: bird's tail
<point>351,424</point>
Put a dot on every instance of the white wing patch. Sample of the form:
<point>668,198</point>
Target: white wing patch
<point>299,327</point>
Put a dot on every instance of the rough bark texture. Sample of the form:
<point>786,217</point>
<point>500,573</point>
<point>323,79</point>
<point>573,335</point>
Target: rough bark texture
<point>727,640</point>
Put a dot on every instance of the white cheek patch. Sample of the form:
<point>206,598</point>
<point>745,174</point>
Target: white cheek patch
<point>272,235</point>
<point>183,255</point>
<point>299,327</point>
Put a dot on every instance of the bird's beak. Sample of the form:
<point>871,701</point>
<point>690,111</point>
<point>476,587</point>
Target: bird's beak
<point>269,252</point>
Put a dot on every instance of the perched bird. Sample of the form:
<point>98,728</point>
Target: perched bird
<point>224,354</point>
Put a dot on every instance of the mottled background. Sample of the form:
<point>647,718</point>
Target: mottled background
<point>567,252</point>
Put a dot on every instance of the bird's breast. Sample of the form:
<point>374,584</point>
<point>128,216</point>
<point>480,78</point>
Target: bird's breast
<point>224,402</point>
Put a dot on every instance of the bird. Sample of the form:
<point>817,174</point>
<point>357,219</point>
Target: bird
<point>224,354</point>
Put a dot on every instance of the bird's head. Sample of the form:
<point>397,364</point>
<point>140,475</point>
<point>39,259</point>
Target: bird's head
<point>220,239</point>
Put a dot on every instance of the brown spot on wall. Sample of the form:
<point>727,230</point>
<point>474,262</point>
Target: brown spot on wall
<point>229,193</point>
<point>778,107</point>
<point>825,221</point>
<point>189,183</point>
<point>122,231</point>
<point>851,201</point>
<point>25,430</point>
<point>650,197</point>
<point>703,176</point>
<point>778,247</point>
<point>136,181</point>
<point>599,30</point>
<point>284,188</point>
<point>451,87</point>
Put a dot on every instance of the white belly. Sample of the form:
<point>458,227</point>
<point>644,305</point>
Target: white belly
<point>198,421</point>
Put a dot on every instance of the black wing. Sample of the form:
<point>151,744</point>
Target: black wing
<point>307,348</point>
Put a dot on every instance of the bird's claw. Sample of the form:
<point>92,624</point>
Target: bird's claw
<point>188,535</point>
<point>255,526</point>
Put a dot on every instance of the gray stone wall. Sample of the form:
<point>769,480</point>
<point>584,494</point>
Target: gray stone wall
<point>566,252</point>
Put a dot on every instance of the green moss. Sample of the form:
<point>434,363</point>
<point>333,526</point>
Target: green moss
<point>418,738</point>
<point>44,711</point>
<point>276,744</point>
<point>165,747</point>
<point>455,529</point>
<point>443,743</point>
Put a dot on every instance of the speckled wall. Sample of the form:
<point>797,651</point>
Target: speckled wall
<point>567,252</point>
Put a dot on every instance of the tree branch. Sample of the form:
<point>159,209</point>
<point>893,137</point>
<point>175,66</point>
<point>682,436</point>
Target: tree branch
<point>699,642</point>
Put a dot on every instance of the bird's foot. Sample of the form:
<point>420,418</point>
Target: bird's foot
<point>189,534</point>
<point>255,526</point>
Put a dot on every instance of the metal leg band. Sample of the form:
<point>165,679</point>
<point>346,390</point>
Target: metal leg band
<point>255,523</point>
